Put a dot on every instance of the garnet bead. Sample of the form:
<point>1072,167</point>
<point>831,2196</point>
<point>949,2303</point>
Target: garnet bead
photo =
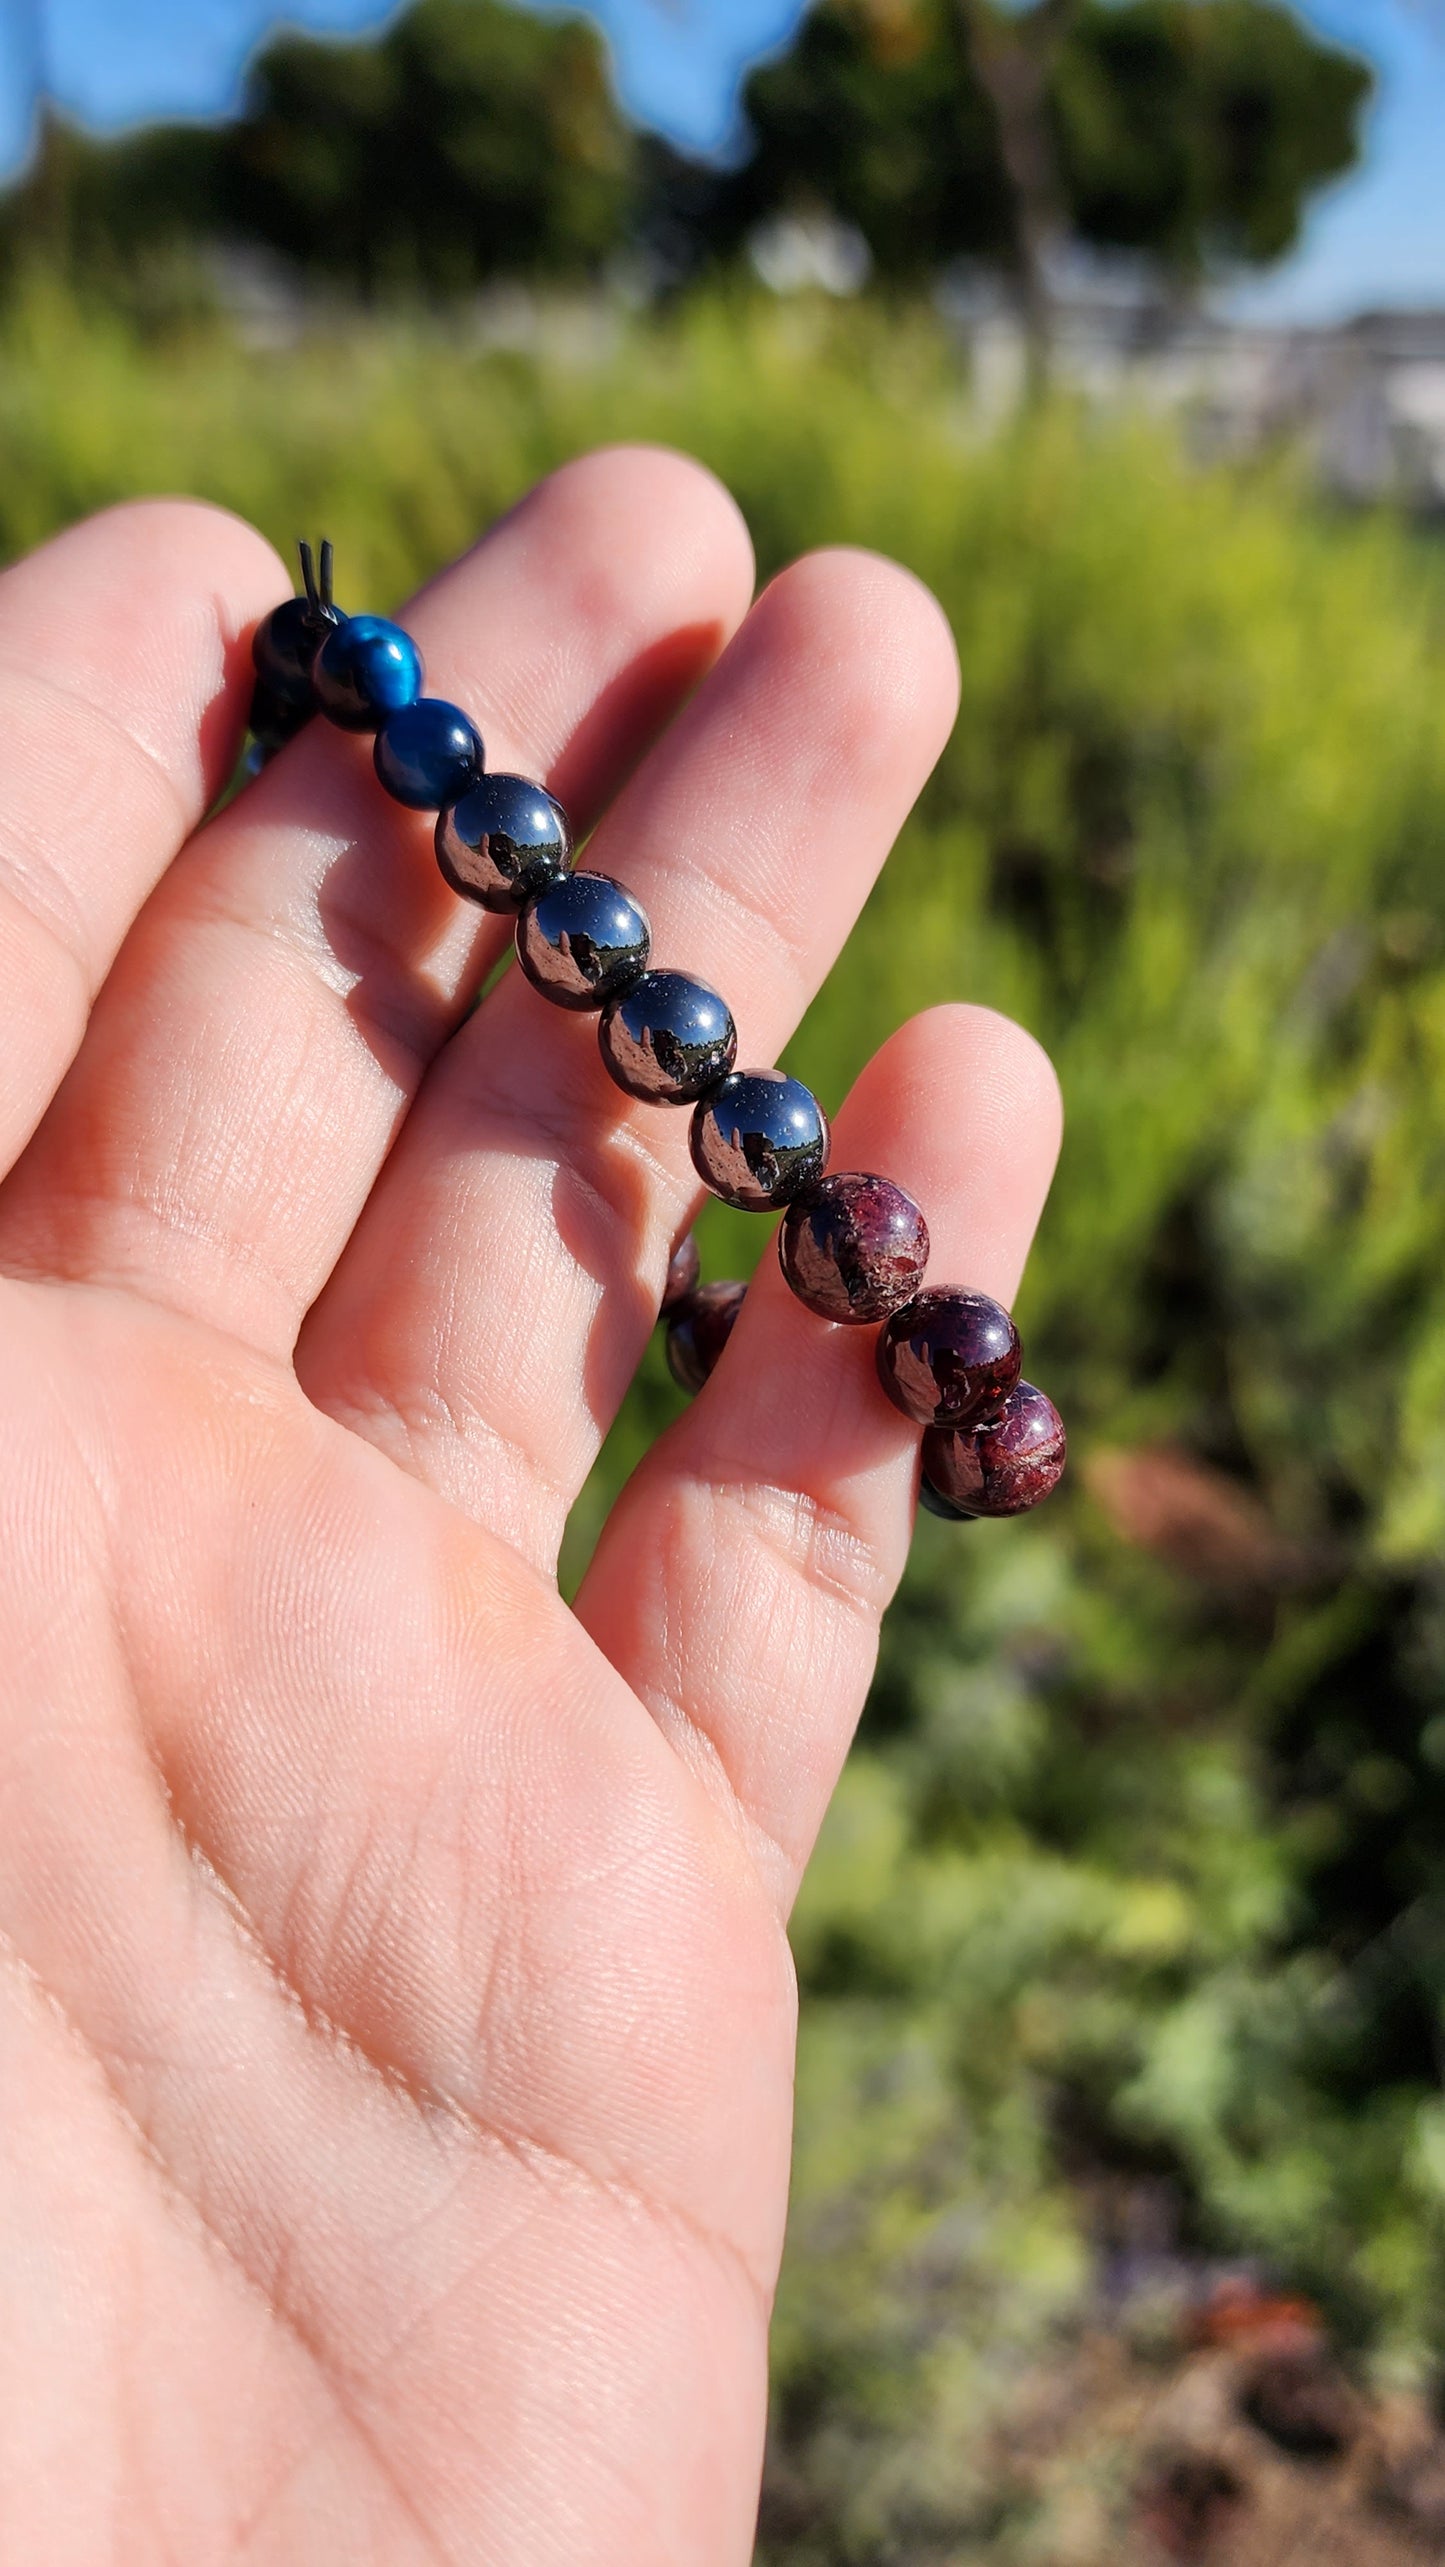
<point>934,1502</point>
<point>503,842</point>
<point>668,1039</point>
<point>853,1248</point>
<point>759,1139</point>
<point>1004,1467</point>
<point>683,1273</point>
<point>700,1329</point>
<point>949,1358</point>
<point>582,940</point>
<point>428,753</point>
<point>364,670</point>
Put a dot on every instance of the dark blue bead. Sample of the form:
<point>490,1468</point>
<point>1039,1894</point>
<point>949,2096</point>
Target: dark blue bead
<point>428,754</point>
<point>285,644</point>
<point>364,670</point>
<point>668,1039</point>
<point>503,842</point>
<point>759,1139</point>
<point>582,940</point>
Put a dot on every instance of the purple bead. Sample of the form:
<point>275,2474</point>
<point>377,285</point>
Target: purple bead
<point>683,1274</point>
<point>949,1357</point>
<point>1005,1467</point>
<point>853,1248</point>
<point>758,1139</point>
<point>699,1330</point>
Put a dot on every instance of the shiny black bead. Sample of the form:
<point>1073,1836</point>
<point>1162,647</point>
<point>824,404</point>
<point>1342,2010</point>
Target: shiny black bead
<point>428,754</point>
<point>364,670</point>
<point>700,1329</point>
<point>274,721</point>
<point>668,1039</point>
<point>285,644</point>
<point>582,940</point>
<point>684,1273</point>
<point>503,842</point>
<point>759,1139</point>
<point>853,1248</point>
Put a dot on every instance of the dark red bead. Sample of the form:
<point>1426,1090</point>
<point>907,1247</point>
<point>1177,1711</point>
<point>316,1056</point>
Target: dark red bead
<point>853,1248</point>
<point>699,1330</point>
<point>949,1357</point>
<point>1005,1467</point>
<point>934,1503</point>
<point>683,1274</point>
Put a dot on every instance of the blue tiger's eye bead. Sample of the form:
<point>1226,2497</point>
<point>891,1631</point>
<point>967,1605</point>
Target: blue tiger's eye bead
<point>428,754</point>
<point>284,646</point>
<point>504,842</point>
<point>699,1330</point>
<point>364,670</point>
<point>582,940</point>
<point>668,1039</point>
<point>759,1139</point>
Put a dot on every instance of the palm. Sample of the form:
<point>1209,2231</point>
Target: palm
<point>393,1986</point>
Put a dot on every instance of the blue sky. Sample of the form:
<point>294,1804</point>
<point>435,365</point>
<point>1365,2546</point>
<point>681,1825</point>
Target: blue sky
<point>1380,238</point>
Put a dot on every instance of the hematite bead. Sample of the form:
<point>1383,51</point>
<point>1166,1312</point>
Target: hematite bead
<point>503,842</point>
<point>949,1358</point>
<point>759,1139</point>
<point>853,1248</point>
<point>1006,1466</point>
<point>934,1502</point>
<point>285,644</point>
<point>700,1329</point>
<point>683,1273</point>
<point>668,1038</point>
<point>582,940</point>
<point>428,753</point>
<point>364,670</point>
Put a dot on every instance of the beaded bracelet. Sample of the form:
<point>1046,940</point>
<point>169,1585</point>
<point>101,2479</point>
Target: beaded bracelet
<point>853,1247</point>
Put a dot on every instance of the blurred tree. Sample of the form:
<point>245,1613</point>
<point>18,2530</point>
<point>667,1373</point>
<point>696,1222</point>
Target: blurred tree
<point>943,128</point>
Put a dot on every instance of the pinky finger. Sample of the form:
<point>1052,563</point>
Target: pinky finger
<point>743,1573</point>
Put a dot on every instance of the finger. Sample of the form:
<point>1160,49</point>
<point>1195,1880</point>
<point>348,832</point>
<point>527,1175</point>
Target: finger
<point>276,1004</point>
<point>124,681</point>
<point>494,1302</point>
<point>741,1578</point>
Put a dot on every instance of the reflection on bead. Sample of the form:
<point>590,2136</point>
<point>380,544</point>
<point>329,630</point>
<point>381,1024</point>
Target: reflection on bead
<point>934,1502</point>
<point>582,940</point>
<point>285,644</point>
<point>364,670</point>
<point>668,1038</point>
<point>949,1357</point>
<point>1005,1467</point>
<point>853,1248</point>
<point>428,753</point>
<point>700,1329</point>
<point>504,842</point>
<point>683,1272</point>
<point>759,1139</point>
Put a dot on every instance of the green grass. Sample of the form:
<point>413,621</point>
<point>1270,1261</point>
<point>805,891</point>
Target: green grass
<point>1131,1875</point>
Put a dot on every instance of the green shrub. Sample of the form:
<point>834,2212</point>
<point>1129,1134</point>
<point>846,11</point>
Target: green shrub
<point>1132,1871</point>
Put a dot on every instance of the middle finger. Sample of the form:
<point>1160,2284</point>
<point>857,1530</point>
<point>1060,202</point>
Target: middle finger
<point>493,1301</point>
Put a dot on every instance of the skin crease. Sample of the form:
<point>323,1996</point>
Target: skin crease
<point>396,2016</point>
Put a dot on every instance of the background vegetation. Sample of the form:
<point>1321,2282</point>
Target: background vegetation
<point>1125,1949</point>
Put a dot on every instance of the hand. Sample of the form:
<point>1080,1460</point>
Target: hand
<point>395,2008</point>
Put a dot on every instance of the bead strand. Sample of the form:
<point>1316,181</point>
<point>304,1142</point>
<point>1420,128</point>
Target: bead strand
<point>853,1247</point>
